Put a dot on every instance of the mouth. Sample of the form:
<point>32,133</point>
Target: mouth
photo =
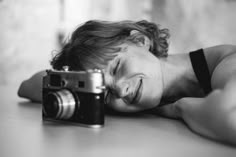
<point>138,93</point>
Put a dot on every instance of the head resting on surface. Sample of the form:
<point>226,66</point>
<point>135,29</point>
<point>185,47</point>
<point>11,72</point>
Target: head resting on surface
<point>95,43</point>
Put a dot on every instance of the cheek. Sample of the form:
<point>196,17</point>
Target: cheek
<point>134,66</point>
<point>143,62</point>
<point>121,106</point>
<point>117,104</point>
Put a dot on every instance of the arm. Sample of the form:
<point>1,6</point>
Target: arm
<point>213,116</point>
<point>32,88</point>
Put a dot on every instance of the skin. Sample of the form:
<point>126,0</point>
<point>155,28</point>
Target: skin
<point>170,79</point>
<point>214,115</point>
<point>130,72</point>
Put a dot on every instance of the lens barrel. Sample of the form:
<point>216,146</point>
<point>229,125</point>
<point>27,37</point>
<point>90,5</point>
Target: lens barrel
<point>60,104</point>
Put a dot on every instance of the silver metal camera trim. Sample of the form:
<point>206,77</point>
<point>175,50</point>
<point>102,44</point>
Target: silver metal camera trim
<point>65,97</point>
<point>93,80</point>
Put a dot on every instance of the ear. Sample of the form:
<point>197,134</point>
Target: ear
<point>140,39</point>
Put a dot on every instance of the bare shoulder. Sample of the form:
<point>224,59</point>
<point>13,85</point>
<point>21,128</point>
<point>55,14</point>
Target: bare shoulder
<point>214,55</point>
<point>221,61</point>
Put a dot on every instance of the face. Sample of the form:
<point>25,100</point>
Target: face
<point>133,80</point>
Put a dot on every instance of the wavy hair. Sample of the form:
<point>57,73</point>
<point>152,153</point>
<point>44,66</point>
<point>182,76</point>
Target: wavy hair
<point>94,43</point>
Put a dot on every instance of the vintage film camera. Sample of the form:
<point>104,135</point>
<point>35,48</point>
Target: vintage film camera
<point>74,96</point>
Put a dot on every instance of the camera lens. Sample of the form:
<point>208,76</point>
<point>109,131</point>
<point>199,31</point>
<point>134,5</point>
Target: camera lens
<point>60,104</point>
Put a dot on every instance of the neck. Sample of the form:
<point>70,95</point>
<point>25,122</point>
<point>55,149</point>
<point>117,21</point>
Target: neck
<point>179,79</point>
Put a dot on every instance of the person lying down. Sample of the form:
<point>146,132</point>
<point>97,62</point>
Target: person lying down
<point>198,87</point>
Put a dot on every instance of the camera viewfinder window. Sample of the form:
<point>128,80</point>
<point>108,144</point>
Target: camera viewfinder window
<point>55,80</point>
<point>81,84</point>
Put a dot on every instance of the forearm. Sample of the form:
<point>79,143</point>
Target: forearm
<point>32,87</point>
<point>28,91</point>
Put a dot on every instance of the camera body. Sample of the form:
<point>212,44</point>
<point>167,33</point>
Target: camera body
<point>74,96</point>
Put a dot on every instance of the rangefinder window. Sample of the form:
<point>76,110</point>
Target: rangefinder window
<point>81,84</point>
<point>55,80</point>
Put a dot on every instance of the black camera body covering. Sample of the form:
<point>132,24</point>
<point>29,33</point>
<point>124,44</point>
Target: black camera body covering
<point>74,96</point>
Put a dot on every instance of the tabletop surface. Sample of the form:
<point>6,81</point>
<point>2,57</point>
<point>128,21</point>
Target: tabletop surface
<point>24,134</point>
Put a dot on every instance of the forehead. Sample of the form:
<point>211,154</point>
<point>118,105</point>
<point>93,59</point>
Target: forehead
<point>125,51</point>
<point>122,50</point>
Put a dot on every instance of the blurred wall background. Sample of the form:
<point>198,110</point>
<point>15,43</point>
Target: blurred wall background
<point>32,29</point>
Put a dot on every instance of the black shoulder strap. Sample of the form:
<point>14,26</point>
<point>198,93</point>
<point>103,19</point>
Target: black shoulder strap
<point>201,70</point>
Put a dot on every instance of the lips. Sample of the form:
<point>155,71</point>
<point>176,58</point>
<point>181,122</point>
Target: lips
<point>137,93</point>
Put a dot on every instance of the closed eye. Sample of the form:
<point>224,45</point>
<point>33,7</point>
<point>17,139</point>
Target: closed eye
<point>116,67</point>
